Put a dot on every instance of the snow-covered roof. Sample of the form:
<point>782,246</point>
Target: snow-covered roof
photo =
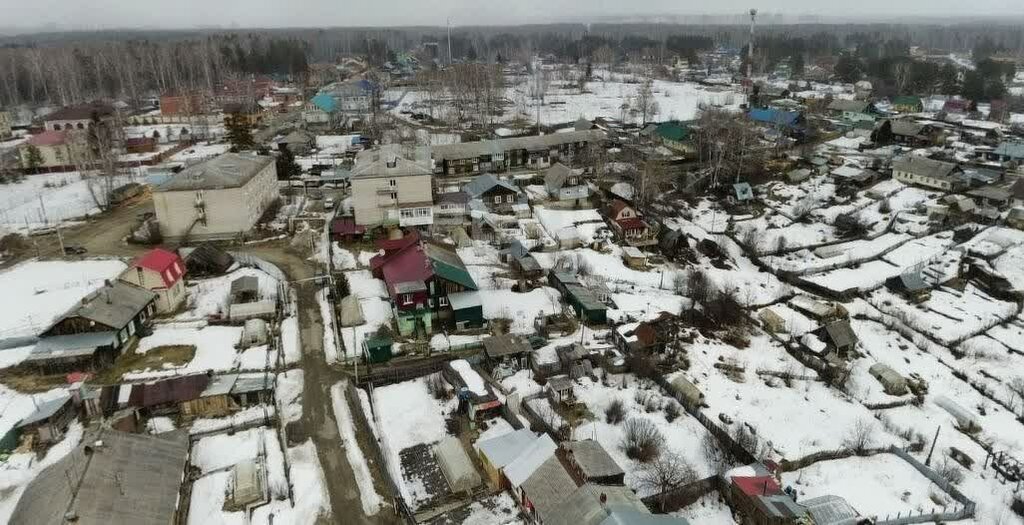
<point>524,466</point>
<point>503,450</point>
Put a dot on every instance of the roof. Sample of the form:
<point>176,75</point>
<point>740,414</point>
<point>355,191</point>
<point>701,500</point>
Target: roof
<point>504,449</point>
<point>635,517</point>
<point>113,305</point>
<point>346,226</point>
<point>389,162</point>
<point>1010,149</point>
<point>559,383</point>
<point>208,257</point>
<point>455,464</point>
<point>585,297</point>
<point>907,100</point>
<point>130,478</point>
<point>449,266</point>
<point>853,106</point>
<point>525,464</point>
<point>255,382</point>
<point>780,506</point>
<point>548,487</point>
<point>454,197</point>
<point>673,131</point>
<point>172,390</point>
<point>757,485</point>
<point>593,459</point>
<point>466,150</point>
<point>325,102</point>
<point>162,262</point>
<point>483,183</point>
<point>618,205</point>
<point>245,283</point>
<point>47,138</point>
<point>840,333</point>
<point>924,167</point>
<point>72,345</point>
<point>585,506</point>
<point>506,344</point>
<point>81,112</point>
<point>298,137</point>
<point>775,117</point>
<point>229,170</point>
<point>44,410</point>
<point>555,176</point>
<point>991,193</point>
<point>583,124</point>
<point>912,281</point>
<point>906,128</point>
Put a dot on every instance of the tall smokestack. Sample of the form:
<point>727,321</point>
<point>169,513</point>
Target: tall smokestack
<point>750,46</point>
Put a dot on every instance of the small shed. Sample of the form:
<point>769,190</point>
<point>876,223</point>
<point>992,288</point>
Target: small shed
<point>586,304</point>
<point>378,348</point>
<point>351,312</point>
<point>207,259</point>
<point>254,333</point>
<point>839,336</point>
<point>508,350</point>
<point>910,285</point>
<point>772,321</point>
<point>893,383</point>
<point>634,258</point>
<point>50,420</point>
<point>561,389</point>
<point>245,289</point>
<point>592,464</point>
<point>688,393</point>
<point>456,465</point>
<point>743,192</point>
<point>467,309</point>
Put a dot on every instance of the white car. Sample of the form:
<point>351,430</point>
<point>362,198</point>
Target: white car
<point>328,204</point>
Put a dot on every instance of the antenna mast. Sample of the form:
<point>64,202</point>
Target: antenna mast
<point>750,45</point>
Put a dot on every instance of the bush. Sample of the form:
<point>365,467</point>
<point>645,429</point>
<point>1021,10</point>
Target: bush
<point>642,440</point>
<point>437,387</point>
<point>615,412</point>
<point>672,411</point>
<point>950,471</point>
<point>653,404</point>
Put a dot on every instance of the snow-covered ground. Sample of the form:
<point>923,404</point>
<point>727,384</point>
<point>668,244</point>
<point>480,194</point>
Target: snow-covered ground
<point>37,292</point>
<point>46,200</point>
<point>371,500</point>
<point>212,297</point>
<point>376,308</point>
<point>215,350</point>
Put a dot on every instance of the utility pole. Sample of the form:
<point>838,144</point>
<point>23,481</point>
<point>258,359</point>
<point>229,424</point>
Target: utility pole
<point>449,23</point>
<point>927,462</point>
<point>750,46</point>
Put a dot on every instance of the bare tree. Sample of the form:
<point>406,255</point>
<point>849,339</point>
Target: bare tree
<point>641,439</point>
<point>668,472</point>
<point>615,412</point>
<point>644,102</point>
<point>860,437</point>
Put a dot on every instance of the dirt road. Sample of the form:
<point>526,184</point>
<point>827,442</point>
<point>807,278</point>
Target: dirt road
<point>318,420</point>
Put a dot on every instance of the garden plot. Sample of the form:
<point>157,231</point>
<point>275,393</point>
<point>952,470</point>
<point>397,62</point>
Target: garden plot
<point>212,297</point>
<point>684,435</point>
<point>920,250</point>
<point>992,362</point>
<point>499,509</point>
<point>866,276</point>
<point>995,241</point>
<point>36,293</point>
<point>1010,334</point>
<point>797,324</point>
<point>949,316</point>
<point>409,420</point>
<point>46,200</point>
<point>607,266</point>
<point>806,261</point>
<point>520,308</point>
<point>645,304</point>
<point>788,418</point>
<point>753,286</point>
<point>585,222</point>
<point>214,349</point>
<point>1011,265</point>
<point>794,201</point>
<point>865,388</point>
<point>879,485</point>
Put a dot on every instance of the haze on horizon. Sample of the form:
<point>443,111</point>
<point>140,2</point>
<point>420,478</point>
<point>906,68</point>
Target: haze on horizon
<point>183,14</point>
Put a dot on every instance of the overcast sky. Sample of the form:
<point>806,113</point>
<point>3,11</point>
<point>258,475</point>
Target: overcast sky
<point>88,14</point>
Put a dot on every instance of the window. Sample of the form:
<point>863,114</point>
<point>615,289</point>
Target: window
<point>407,298</point>
<point>394,195</point>
<point>392,183</point>
<point>442,301</point>
<point>497,199</point>
<point>131,328</point>
<point>510,198</point>
<point>406,213</point>
<point>168,275</point>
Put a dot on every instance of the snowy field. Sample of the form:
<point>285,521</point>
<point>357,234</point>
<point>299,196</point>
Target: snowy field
<point>683,436</point>
<point>215,350</point>
<point>46,200</point>
<point>949,315</point>
<point>878,485</point>
<point>602,98</point>
<point>38,292</point>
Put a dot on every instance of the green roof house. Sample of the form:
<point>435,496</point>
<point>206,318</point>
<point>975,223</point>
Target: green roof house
<point>908,104</point>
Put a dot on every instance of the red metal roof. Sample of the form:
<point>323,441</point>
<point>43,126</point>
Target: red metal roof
<point>618,206</point>
<point>757,485</point>
<point>632,223</point>
<point>162,262</point>
<point>410,264</point>
<point>174,390</point>
<point>47,138</point>
<point>391,248</point>
<point>346,226</point>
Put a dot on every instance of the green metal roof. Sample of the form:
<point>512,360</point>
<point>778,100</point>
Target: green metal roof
<point>673,131</point>
<point>907,100</point>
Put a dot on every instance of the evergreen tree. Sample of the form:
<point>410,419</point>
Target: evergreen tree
<point>238,133</point>
<point>948,82</point>
<point>848,69</point>
<point>796,65</point>
<point>287,168</point>
<point>33,158</point>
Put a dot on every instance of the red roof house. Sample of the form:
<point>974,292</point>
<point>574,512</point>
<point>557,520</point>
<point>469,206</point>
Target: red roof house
<point>163,272</point>
<point>47,138</point>
<point>757,485</point>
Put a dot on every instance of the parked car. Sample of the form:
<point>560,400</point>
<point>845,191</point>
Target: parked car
<point>74,249</point>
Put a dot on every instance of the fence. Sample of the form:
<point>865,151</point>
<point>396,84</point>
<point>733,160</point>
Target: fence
<point>674,499</point>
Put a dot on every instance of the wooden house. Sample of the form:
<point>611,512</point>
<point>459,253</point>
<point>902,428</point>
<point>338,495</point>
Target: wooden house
<point>508,351</point>
<point>589,462</point>
<point>561,390</point>
<point>496,194</point>
<point>49,422</point>
<point>162,272</point>
<point>910,285</point>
